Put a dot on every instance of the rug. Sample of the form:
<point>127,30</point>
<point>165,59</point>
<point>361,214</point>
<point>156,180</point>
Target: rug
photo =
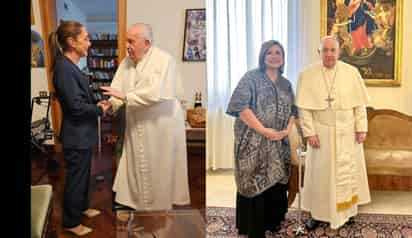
<point>221,223</point>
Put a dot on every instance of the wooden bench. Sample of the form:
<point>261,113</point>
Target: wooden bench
<point>388,150</point>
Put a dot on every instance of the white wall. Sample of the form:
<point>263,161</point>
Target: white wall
<point>73,13</point>
<point>167,20</point>
<point>396,98</point>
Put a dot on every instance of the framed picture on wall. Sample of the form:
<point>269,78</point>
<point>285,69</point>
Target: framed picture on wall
<point>194,43</point>
<point>37,50</point>
<point>370,36</point>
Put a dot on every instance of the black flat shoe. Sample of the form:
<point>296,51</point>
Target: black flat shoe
<point>276,229</point>
<point>119,207</point>
<point>351,221</point>
<point>311,224</point>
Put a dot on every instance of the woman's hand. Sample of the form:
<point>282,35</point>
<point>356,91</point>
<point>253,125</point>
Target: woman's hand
<point>105,105</point>
<point>273,134</point>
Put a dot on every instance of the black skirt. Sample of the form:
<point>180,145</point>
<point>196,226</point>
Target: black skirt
<point>261,213</point>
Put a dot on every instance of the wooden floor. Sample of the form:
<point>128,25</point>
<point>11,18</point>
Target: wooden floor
<point>182,223</point>
<point>101,193</point>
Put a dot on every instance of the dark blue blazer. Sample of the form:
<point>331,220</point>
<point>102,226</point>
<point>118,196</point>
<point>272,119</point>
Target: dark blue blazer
<point>80,112</point>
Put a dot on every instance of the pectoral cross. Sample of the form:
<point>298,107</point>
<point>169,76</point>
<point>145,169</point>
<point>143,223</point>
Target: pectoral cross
<point>329,100</point>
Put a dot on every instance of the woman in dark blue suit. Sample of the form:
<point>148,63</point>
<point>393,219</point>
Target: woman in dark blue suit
<point>80,110</point>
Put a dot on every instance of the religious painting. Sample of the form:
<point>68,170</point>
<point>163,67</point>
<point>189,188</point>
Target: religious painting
<point>194,43</point>
<point>370,36</point>
<point>37,50</point>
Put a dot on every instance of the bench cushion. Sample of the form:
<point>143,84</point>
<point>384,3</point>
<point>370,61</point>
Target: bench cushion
<point>389,162</point>
<point>40,201</point>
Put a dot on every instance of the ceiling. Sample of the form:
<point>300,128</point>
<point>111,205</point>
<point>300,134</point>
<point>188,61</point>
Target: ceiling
<point>98,10</point>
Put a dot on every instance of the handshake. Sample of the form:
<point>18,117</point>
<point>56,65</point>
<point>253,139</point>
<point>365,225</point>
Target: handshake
<point>105,104</point>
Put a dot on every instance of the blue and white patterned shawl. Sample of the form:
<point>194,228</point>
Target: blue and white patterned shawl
<point>259,162</point>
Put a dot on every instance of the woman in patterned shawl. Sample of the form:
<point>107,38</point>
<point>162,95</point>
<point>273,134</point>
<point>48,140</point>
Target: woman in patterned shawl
<point>263,104</point>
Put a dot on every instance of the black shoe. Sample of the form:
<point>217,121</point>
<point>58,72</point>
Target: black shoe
<point>119,207</point>
<point>273,231</point>
<point>276,229</point>
<point>311,224</point>
<point>351,221</point>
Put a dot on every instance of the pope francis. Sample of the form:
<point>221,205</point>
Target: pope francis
<point>331,97</point>
<point>152,173</point>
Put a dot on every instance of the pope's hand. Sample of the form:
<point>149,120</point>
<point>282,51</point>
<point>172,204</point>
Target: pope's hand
<point>113,92</point>
<point>360,137</point>
<point>314,141</point>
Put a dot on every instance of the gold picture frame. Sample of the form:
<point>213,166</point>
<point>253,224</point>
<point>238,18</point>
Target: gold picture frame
<point>370,36</point>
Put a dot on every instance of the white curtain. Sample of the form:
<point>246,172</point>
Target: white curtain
<point>235,31</point>
<point>303,36</point>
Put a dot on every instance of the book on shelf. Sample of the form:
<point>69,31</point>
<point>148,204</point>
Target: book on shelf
<point>103,36</point>
<point>96,51</point>
<point>102,63</point>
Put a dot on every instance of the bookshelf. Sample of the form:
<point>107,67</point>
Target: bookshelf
<point>102,60</point>
<point>102,63</point>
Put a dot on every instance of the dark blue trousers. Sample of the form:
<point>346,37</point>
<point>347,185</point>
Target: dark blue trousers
<point>76,188</point>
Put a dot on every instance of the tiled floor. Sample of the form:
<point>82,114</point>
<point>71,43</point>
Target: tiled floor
<point>221,189</point>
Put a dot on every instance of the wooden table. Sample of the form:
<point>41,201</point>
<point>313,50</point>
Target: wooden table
<point>196,164</point>
<point>195,137</point>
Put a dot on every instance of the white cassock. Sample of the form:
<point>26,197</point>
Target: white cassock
<point>152,172</point>
<point>335,180</point>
